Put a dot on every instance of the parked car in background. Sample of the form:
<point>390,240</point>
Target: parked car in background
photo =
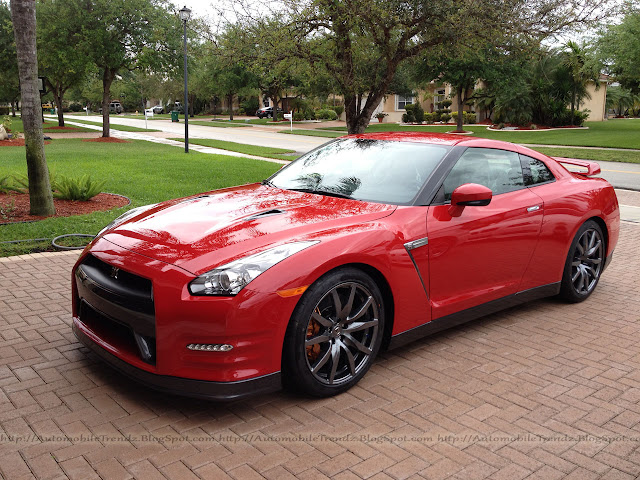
<point>158,109</point>
<point>368,242</point>
<point>267,112</point>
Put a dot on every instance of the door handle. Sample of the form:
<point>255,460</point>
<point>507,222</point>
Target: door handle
<point>534,208</point>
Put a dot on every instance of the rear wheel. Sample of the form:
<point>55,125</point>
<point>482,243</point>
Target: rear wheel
<point>584,263</point>
<point>334,334</point>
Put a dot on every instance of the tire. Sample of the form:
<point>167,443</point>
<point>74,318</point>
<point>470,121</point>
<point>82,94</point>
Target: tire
<point>334,334</point>
<point>584,263</point>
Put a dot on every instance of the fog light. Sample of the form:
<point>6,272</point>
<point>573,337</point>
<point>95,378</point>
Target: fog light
<point>210,347</point>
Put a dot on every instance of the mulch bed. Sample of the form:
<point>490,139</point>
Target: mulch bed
<point>18,142</point>
<point>106,140</point>
<point>14,206</point>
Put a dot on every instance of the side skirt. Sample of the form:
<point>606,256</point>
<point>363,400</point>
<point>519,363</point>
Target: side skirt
<point>473,313</point>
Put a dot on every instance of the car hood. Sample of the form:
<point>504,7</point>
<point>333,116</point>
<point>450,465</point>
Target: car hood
<point>201,232</point>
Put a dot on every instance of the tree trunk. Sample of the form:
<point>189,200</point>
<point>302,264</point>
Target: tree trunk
<point>57,97</point>
<point>23,16</point>
<point>274,116</point>
<point>460,119</point>
<point>107,80</point>
<point>230,102</point>
<point>14,106</point>
<point>358,120</point>
<point>573,106</point>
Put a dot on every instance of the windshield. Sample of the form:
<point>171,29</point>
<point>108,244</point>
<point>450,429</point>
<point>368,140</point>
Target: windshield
<point>363,169</point>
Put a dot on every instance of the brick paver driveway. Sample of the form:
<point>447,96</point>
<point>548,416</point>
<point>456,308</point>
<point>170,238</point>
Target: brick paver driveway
<point>545,390</point>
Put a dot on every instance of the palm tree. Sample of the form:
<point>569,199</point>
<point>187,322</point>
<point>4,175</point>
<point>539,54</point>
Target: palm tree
<point>23,17</point>
<point>582,70</point>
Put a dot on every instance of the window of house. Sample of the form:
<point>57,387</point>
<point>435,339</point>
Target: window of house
<point>265,102</point>
<point>439,97</point>
<point>403,102</point>
<point>499,170</point>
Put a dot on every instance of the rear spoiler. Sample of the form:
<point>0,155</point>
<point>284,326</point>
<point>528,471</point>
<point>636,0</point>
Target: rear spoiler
<point>592,167</point>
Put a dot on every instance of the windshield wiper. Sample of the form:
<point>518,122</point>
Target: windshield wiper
<point>267,182</point>
<point>328,193</point>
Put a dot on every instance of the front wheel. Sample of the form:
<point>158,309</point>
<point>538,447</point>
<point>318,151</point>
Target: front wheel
<point>584,263</point>
<point>334,334</point>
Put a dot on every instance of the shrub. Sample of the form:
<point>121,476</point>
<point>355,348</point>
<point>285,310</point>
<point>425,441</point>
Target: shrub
<point>418,113</point>
<point>446,104</point>
<point>6,123</point>
<point>408,117</point>
<point>428,117</point>
<point>75,107</point>
<point>250,105</point>
<point>469,117</point>
<point>445,117</point>
<point>326,114</point>
<point>10,184</point>
<point>83,188</point>
<point>564,119</point>
<point>4,110</point>
<point>338,109</point>
<point>298,116</point>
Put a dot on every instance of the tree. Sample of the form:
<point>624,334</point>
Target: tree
<point>583,68</point>
<point>620,48</point>
<point>61,61</point>
<point>361,43</point>
<point>621,100</point>
<point>9,85</point>
<point>459,65</point>
<point>126,35</point>
<point>23,16</point>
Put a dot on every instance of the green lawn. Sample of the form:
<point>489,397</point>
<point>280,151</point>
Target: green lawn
<point>269,152</point>
<point>615,133</point>
<point>49,126</point>
<point>319,132</point>
<point>113,126</point>
<point>145,172</point>
<point>591,154</point>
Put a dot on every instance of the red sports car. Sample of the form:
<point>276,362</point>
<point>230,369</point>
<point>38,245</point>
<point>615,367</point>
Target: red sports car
<point>367,242</point>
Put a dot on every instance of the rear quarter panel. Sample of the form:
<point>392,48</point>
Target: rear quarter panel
<point>568,202</point>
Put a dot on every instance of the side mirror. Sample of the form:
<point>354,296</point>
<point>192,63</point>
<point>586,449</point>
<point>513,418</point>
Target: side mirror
<point>472,195</point>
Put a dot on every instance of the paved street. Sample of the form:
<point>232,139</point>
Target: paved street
<point>543,391</point>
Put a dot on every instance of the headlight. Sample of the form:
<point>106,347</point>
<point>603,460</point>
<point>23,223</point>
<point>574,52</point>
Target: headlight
<point>229,279</point>
<point>125,215</point>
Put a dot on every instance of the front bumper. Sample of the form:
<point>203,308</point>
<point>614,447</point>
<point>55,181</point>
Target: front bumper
<point>140,318</point>
<point>181,386</point>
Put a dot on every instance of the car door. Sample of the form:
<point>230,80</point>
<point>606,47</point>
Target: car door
<point>479,253</point>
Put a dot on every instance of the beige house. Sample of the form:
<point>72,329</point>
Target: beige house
<point>393,105</point>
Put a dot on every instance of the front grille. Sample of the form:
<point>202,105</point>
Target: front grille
<point>121,287</point>
<point>118,306</point>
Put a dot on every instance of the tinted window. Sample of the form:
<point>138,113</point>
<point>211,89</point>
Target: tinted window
<point>363,169</point>
<point>498,170</point>
<point>536,171</point>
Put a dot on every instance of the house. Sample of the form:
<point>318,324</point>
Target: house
<point>431,98</point>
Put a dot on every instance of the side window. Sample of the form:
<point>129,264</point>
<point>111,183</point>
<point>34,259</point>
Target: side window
<point>499,170</point>
<point>535,171</point>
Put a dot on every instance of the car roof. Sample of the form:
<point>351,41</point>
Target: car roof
<point>437,139</point>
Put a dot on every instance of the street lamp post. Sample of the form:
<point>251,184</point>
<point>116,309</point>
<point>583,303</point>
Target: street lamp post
<point>185,14</point>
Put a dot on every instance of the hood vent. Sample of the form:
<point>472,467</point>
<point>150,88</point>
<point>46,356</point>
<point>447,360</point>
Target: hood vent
<point>266,213</point>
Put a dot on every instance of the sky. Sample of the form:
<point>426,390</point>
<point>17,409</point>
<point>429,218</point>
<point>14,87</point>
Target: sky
<point>200,8</point>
